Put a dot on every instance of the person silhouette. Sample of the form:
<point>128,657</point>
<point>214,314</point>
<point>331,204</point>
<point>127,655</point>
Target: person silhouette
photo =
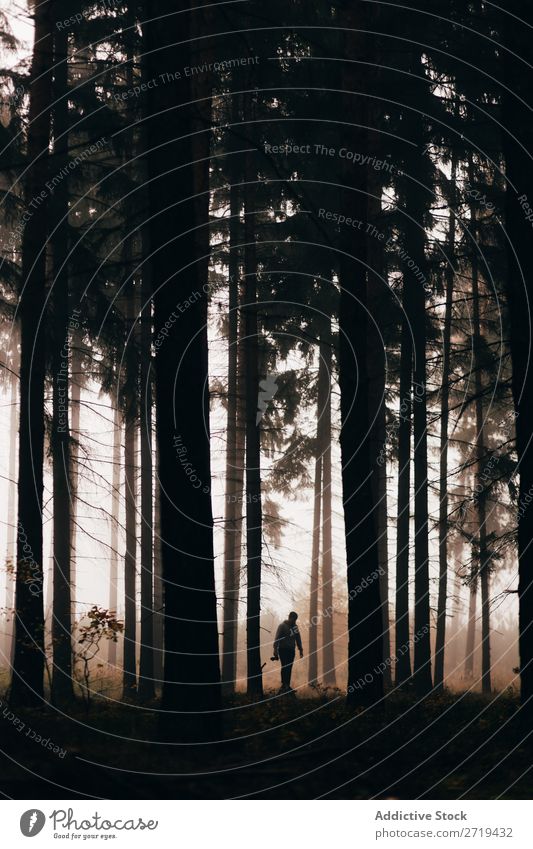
<point>287,638</point>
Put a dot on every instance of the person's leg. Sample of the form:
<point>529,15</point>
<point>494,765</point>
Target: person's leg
<point>285,675</point>
<point>288,668</point>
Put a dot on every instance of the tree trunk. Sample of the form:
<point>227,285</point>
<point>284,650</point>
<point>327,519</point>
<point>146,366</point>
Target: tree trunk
<point>11,546</point>
<point>115,501</point>
<point>159,601</point>
<point>403,645</point>
<point>453,628</point>
<point>440,640</point>
<point>378,294</point>
<point>253,452</point>
<point>75,438</point>
<point>48,606</point>
<point>365,622</point>
<point>328,646</point>
<point>241,445</point>
<point>131,416</point>
<point>129,675</point>
<point>192,673</point>
<point>314,617</point>
<point>383,547</point>
<point>129,670</point>
<point>232,528</point>
<point>146,665</point>
<point>415,237</point>
<point>312,631</point>
<point>62,690</point>
<point>49,583</point>
<point>471,627</point>
<point>518,142</point>
<point>482,554</point>
<point>27,680</point>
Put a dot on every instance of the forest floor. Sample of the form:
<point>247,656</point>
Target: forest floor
<point>447,747</point>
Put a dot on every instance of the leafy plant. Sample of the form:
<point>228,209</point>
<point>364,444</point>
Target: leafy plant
<point>99,624</point>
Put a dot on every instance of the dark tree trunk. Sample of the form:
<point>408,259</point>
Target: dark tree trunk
<point>328,645</point>
<point>48,604</point>
<point>453,628</point>
<point>76,380</point>
<point>403,646</point>
<point>11,543</point>
<point>62,690</point>
<point>115,501</point>
<point>11,547</point>
<point>27,680</point>
<point>232,528</point>
<point>312,631</point>
<point>314,616</point>
<point>365,621</point>
<point>482,553</point>
<point>241,445</point>
<point>381,498</point>
<point>440,640</point>
<point>129,671</point>
<point>159,601</point>
<point>422,653</point>
<point>486,685</point>
<point>471,626</point>
<point>415,239</point>
<point>131,414</point>
<point>378,294</point>
<point>253,452</point>
<point>191,691</point>
<point>517,102</point>
<point>49,596</point>
<point>146,661</point>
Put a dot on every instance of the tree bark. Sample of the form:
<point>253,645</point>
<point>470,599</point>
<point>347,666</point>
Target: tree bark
<point>314,616</point>
<point>471,627</point>
<point>482,554</point>
<point>11,547</point>
<point>453,628</point>
<point>403,645</point>
<point>129,673</point>
<point>191,663</point>
<point>131,414</point>
<point>27,680</point>
<point>517,103</point>
<point>312,631</point>
<point>76,380</point>
<point>415,238</point>
<point>365,622</point>
<point>115,502</point>
<point>328,645</point>
<point>378,292</point>
<point>146,663</point>
<point>62,688</point>
<point>241,446</point>
<point>253,452</point>
<point>232,528</point>
<point>159,600</point>
<point>440,640</point>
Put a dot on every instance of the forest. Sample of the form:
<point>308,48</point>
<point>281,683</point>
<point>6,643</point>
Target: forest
<point>266,315</point>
